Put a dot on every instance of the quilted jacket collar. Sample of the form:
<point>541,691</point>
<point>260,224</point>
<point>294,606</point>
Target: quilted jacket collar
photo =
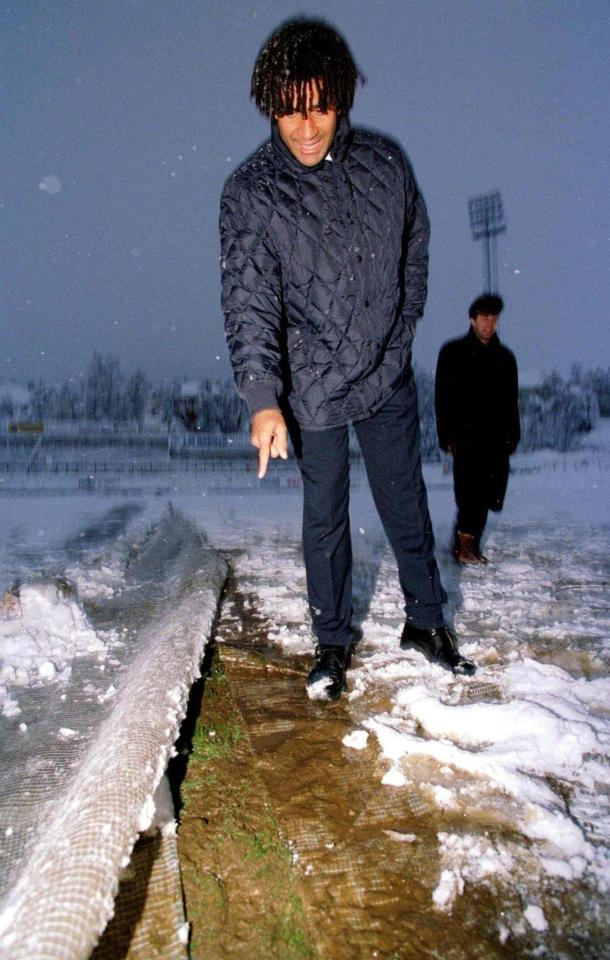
<point>284,157</point>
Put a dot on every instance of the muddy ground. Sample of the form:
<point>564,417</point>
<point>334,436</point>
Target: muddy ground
<point>291,847</point>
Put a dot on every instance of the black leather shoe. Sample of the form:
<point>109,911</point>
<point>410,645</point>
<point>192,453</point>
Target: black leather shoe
<point>438,645</point>
<point>326,680</point>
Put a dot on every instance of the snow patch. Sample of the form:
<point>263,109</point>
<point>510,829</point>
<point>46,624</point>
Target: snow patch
<point>536,918</point>
<point>449,887</point>
<point>357,740</point>
<point>394,778</point>
<point>42,629</point>
<point>319,689</point>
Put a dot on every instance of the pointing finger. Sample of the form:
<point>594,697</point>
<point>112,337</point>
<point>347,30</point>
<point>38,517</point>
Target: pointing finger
<point>263,459</point>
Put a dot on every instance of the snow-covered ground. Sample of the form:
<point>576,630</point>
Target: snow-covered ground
<point>524,744</point>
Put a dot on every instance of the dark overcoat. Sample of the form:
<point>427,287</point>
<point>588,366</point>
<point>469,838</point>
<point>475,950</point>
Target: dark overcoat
<point>324,276</point>
<point>476,395</point>
<point>477,415</point>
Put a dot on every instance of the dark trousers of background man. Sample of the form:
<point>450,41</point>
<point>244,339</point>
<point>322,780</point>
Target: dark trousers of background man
<point>390,444</point>
<point>480,477</point>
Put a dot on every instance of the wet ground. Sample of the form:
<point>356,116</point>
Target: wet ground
<point>291,846</point>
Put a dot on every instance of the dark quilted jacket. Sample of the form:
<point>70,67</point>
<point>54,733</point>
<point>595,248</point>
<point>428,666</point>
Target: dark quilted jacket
<point>324,275</point>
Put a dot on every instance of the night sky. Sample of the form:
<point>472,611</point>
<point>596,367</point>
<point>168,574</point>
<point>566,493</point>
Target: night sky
<point>121,121</point>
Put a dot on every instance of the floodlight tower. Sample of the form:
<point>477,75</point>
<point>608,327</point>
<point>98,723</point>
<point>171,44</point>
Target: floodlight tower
<point>486,222</point>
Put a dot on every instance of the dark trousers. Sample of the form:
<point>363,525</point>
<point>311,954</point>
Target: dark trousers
<point>390,445</point>
<point>480,477</point>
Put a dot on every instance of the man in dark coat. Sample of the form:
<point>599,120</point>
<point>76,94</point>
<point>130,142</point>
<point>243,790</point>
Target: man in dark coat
<point>324,239</point>
<point>477,418</point>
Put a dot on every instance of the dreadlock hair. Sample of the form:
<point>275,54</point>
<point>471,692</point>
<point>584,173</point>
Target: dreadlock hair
<point>299,52</point>
<point>487,303</point>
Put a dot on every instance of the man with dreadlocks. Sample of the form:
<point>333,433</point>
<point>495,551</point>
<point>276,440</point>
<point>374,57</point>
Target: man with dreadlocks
<point>324,239</point>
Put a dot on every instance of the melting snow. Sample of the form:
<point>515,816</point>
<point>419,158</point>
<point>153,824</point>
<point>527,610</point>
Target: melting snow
<point>529,731</point>
<point>42,628</point>
<point>357,740</point>
<point>533,725</point>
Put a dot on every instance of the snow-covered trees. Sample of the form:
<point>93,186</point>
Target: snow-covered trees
<point>105,394</point>
<point>554,414</point>
<point>600,382</point>
<point>103,388</point>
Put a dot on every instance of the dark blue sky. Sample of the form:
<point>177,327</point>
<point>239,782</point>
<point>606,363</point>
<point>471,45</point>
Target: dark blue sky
<point>123,119</point>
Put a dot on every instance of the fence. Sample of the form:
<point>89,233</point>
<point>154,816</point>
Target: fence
<point>140,467</point>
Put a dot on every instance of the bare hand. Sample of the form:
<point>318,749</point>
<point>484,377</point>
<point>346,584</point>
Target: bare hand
<point>269,435</point>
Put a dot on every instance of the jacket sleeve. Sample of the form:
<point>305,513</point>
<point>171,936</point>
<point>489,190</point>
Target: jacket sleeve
<point>417,239</point>
<point>445,399</point>
<point>251,301</point>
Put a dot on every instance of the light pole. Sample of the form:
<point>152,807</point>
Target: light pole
<point>486,222</point>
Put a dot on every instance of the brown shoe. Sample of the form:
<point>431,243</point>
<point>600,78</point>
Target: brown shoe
<point>464,549</point>
<point>477,552</point>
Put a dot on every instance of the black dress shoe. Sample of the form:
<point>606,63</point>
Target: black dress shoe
<point>438,645</point>
<point>326,680</point>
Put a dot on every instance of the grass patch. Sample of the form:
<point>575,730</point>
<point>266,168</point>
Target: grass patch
<point>265,843</point>
<point>214,741</point>
<point>290,935</point>
<point>237,870</point>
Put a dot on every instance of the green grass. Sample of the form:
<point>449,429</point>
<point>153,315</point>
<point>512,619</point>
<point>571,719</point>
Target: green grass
<point>211,743</point>
<point>211,886</point>
<point>219,782</point>
<point>264,843</point>
<point>290,933</point>
<point>215,681</point>
<point>214,741</point>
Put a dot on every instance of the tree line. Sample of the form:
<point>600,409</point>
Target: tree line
<point>554,414</point>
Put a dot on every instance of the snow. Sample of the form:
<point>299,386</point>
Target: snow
<point>401,837</point>
<point>14,394</point>
<point>96,784</point>
<point>50,184</point>
<point>467,859</point>
<point>394,778</point>
<point>319,689</point>
<point>536,918</point>
<point>42,629</point>
<point>530,729</point>
<point>533,725</point>
<point>357,739</point>
<point>449,887</point>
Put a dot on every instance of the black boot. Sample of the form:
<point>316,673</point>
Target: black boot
<point>326,680</point>
<point>438,645</point>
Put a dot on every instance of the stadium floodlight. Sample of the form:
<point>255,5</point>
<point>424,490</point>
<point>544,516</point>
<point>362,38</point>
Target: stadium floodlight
<point>486,222</point>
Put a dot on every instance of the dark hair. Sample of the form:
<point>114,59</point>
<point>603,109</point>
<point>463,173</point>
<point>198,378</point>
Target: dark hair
<point>487,303</point>
<point>299,52</point>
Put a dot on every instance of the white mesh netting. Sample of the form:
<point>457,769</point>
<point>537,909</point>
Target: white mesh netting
<point>81,761</point>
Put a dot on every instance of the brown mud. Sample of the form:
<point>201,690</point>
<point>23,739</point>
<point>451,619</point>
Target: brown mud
<point>291,847</point>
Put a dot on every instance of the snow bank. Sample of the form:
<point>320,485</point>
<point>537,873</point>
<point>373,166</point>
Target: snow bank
<point>64,895</point>
<point>42,629</point>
